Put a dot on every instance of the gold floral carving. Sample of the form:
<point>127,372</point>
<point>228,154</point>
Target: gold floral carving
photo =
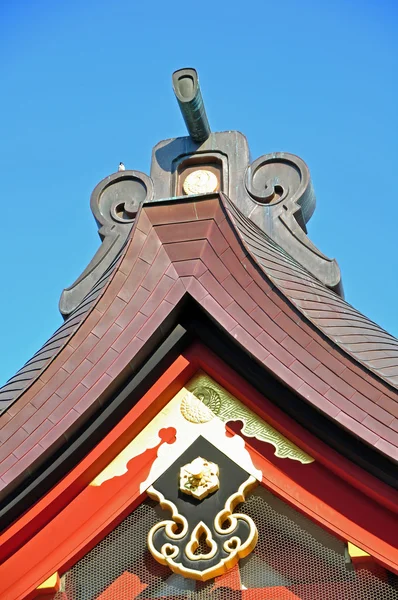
<point>206,399</point>
<point>225,522</point>
<point>199,478</point>
<point>196,410</point>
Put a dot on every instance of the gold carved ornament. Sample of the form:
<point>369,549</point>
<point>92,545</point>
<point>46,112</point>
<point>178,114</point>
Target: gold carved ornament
<point>207,400</point>
<point>199,478</point>
<point>200,411</point>
<point>224,524</point>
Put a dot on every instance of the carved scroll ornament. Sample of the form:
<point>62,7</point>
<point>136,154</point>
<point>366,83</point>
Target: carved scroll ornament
<point>227,536</point>
<point>283,202</point>
<point>114,202</point>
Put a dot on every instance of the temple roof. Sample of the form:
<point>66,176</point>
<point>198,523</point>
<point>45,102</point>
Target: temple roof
<point>305,335</point>
<point>214,246</point>
<point>349,329</point>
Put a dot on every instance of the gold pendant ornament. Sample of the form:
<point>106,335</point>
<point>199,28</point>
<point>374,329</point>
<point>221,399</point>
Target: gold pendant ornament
<point>200,474</point>
<point>201,495</point>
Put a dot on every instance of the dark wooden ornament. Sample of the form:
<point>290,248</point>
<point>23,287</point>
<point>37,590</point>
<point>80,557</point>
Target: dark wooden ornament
<point>204,538</point>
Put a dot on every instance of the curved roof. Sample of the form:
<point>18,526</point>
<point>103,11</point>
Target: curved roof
<point>363,339</point>
<point>31,370</point>
<point>269,304</point>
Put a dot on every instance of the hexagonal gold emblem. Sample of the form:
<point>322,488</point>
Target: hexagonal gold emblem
<point>199,478</point>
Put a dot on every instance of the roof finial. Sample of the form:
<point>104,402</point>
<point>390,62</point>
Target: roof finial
<point>187,90</point>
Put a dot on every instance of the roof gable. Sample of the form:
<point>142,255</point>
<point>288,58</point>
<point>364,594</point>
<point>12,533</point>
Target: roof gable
<point>193,246</point>
<point>100,503</point>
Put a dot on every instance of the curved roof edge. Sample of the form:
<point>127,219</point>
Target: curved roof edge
<point>204,248</point>
<point>353,332</point>
<point>32,369</point>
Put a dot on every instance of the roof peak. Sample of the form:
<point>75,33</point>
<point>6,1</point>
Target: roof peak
<point>274,191</point>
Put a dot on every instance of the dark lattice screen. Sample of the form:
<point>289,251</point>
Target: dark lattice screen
<point>294,559</point>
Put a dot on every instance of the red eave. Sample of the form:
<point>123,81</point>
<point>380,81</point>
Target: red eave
<point>190,247</point>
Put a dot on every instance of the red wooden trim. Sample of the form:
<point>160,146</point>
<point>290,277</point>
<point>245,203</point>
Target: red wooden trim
<point>336,507</point>
<point>63,493</point>
<point>91,512</point>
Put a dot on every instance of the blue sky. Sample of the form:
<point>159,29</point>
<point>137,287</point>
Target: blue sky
<point>88,84</point>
